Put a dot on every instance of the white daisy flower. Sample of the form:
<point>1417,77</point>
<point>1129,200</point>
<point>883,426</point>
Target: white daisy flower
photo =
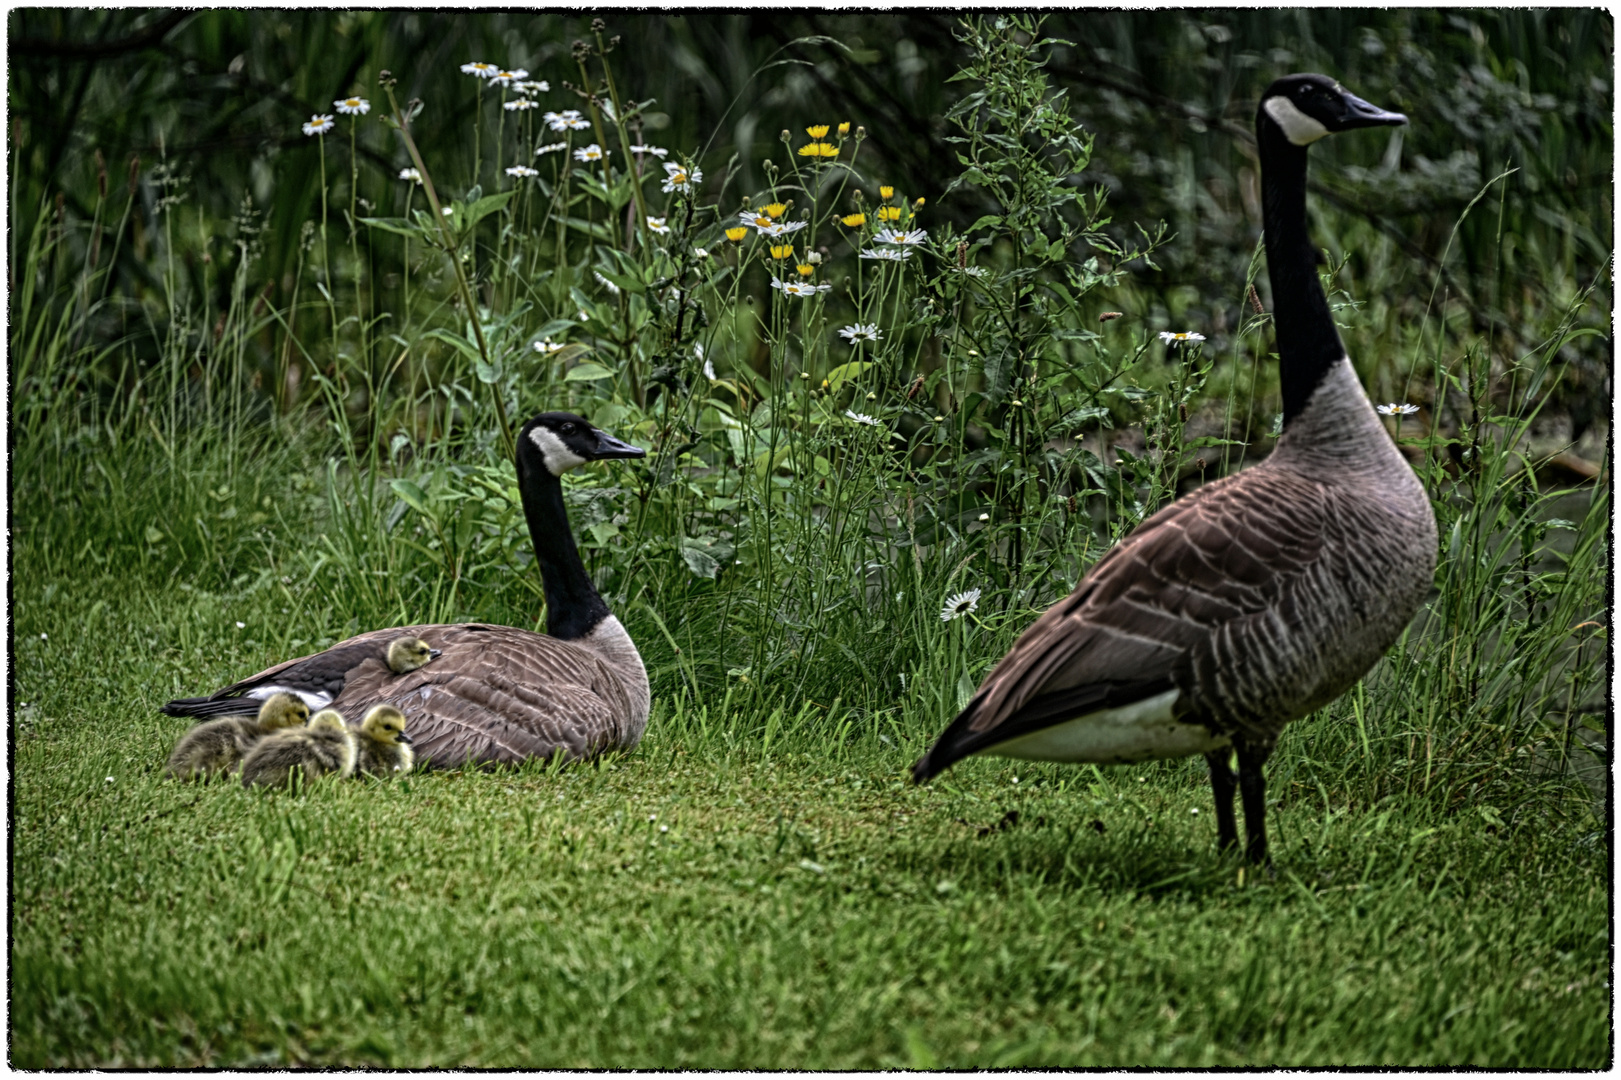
<point>518,105</point>
<point>1179,339</point>
<point>354,106</point>
<point>799,288</point>
<point>709,370</point>
<point>1394,409</point>
<point>410,174</point>
<point>758,218</point>
<point>479,68</point>
<point>539,87</point>
<point>863,418</point>
<point>550,148</point>
<point>657,225</point>
<point>585,316</point>
<point>508,78</point>
<point>679,178</point>
<point>970,271</point>
<point>856,333</point>
<point>605,283</point>
<point>700,253</point>
<point>590,153</point>
<point>656,151</point>
<point>781,228</point>
<point>446,211</point>
<point>887,254</point>
<point>522,170</point>
<point>319,125</point>
<point>546,346</point>
<point>959,605</point>
<point>567,120</point>
<point>901,236</point>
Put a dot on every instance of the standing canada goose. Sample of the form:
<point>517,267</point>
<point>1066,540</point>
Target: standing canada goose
<point>218,745</point>
<point>324,747</point>
<point>316,679</point>
<point>501,695</point>
<point>1257,598</point>
<point>382,748</point>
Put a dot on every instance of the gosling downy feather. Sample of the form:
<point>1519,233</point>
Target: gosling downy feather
<point>498,694</point>
<point>325,747</point>
<point>1255,599</point>
<point>219,745</point>
<point>382,748</point>
<point>316,679</point>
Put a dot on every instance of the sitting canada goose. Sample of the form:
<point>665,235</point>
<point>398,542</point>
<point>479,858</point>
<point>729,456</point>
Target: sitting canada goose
<point>498,694</point>
<point>1257,598</point>
<point>382,748</point>
<point>324,747</point>
<point>317,679</point>
<point>218,745</point>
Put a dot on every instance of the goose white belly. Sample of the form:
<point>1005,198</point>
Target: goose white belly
<point>1140,731</point>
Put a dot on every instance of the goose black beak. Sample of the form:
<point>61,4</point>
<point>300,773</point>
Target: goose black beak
<point>1360,114</point>
<point>610,448</point>
<point>404,738</point>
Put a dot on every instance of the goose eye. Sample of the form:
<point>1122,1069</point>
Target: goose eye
<point>567,429</point>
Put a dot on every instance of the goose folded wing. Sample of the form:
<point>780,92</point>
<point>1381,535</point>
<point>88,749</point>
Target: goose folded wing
<point>497,695</point>
<point>1130,631</point>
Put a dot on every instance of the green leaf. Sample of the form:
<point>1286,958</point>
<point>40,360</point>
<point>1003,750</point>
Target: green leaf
<point>399,225</point>
<point>487,373</point>
<point>412,496</point>
<point>587,373</point>
<point>462,345</point>
<point>625,282</point>
<point>844,372</point>
<point>484,207</point>
<point>699,561</point>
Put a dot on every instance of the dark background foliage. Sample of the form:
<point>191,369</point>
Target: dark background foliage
<point>1169,95</point>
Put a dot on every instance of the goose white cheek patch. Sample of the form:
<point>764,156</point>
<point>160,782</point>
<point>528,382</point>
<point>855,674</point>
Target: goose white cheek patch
<point>555,452</point>
<point>1298,128</point>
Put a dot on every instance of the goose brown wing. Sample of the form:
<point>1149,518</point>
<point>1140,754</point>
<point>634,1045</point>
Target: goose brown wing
<point>496,695</point>
<point>322,673</point>
<point>1145,619</point>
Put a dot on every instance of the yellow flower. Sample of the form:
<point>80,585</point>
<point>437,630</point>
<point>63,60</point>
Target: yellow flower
<point>782,251</point>
<point>889,213</point>
<point>805,269</point>
<point>853,220</point>
<point>886,192</point>
<point>919,203</point>
<point>760,221</point>
<point>738,233</point>
<point>844,128</point>
<point>817,132</point>
<point>776,209</point>
<point>818,149</point>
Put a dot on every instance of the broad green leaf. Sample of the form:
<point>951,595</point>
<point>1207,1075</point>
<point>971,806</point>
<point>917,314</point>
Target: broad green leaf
<point>483,208</point>
<point>413,496</point>
<point>587,373</point>
<point>394,225</point>
<point>844,372</point>
<point>465,347</point>
<point>487,373</point>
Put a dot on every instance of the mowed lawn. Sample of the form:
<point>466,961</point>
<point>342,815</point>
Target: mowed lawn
<point>704,903</point>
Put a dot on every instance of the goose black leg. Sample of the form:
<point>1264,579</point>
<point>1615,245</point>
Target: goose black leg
<point>1222,785</point>
<point>1252,786</point>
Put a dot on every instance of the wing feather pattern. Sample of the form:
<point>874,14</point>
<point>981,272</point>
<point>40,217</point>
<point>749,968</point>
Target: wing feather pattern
<point>1209,577</point>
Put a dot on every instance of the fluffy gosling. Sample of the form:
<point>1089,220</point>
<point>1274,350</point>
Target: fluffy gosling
<point>324,748</point>
<point>383,749</point>
<point>219,745</point>
<point>408,653</point>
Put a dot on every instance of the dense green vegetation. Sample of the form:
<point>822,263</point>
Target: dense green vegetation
<point>260,396</point>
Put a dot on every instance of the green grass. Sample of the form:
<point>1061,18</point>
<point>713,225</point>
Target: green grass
<point>806,908</point>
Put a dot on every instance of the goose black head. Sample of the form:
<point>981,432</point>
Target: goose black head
<point>560,441</point>
<point>1307,107</point>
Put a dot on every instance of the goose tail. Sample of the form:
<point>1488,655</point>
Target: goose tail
<point>203,708</point>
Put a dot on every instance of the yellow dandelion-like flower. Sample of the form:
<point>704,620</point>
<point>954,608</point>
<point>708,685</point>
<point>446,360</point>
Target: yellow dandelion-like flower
<point>918,205</point>
<point>805,269</point>
<point>775,210</point>
<point>853,220</point>
<point>782,251</point>
<point>886,192</point>
<point>759,221</point>
<point>844,128</point>
<point>818,131</point>
<point>889,213</point>
<point>738,233</point>
<point>818,149</point>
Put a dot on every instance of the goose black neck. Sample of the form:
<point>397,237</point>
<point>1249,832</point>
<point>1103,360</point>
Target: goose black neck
<point>573,606</point>
<point>1308,343</point>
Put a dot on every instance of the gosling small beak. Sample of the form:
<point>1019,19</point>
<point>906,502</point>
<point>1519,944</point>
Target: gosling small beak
<point>609,448</point>
<point>404,738</point>
<point>434,654</point>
